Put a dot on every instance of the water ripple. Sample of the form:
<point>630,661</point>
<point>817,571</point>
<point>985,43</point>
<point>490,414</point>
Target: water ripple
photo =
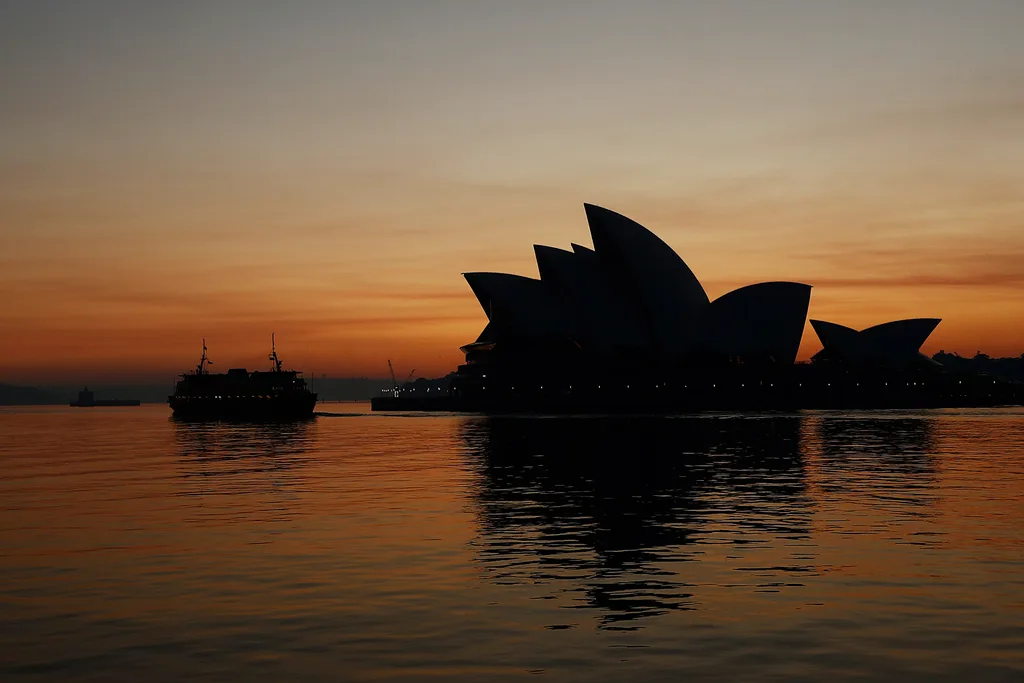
<point>396,547</point>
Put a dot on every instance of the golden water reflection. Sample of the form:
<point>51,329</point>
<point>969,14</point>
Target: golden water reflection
<point>808,546</point>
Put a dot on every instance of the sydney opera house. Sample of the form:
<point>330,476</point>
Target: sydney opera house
<point>628,324</point>
<point>633,297</point>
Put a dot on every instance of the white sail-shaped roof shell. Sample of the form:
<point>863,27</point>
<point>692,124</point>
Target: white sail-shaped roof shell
<point>764,320</point>
<point>835,337</point>
<point>900,335</point>
<point>518,306</point>
<point>651,274</point>
<point>633,294</point>
<point>897,341</point>
<point>602,320</point>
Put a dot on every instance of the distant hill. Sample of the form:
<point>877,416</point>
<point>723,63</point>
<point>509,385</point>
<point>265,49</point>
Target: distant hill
<point>147,393</point>
<point>349,388</point>
<point>12,395</point>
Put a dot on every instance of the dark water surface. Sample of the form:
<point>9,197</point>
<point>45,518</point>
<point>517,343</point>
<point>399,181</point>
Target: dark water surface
<point>816,546</point>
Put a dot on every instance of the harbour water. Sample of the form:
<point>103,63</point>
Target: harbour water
<point>376,547</point>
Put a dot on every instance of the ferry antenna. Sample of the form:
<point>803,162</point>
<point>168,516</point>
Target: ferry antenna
<point>203,361</point>
<point>273,353</point>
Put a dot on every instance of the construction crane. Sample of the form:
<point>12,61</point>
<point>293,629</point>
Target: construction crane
<point>409,378</point>
<point>394,382</point>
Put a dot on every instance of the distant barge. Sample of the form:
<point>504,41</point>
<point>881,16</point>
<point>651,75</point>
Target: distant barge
<point>242,395</point>
<point>86,399</point>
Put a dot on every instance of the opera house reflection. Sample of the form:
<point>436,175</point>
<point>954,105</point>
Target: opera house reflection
<point>637,517</point>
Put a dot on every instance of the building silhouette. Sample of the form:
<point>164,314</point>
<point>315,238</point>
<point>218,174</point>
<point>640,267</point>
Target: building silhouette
<point>632,299</point>
<point>626,326</point>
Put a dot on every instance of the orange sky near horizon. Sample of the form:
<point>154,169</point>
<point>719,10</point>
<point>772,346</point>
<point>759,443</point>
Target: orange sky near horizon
<point>168,174</point>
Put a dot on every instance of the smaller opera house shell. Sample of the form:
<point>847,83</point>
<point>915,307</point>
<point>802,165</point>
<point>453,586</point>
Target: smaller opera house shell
<point>891,344</point>
<point>632,299</point>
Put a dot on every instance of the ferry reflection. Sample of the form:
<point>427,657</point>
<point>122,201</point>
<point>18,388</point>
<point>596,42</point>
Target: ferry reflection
<point>600,509</point>
<point>239,457</point>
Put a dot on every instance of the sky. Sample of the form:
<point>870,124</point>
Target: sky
<point>327,170</point>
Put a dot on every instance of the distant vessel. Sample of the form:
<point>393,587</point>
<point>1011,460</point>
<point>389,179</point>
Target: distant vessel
<point>242,395</point>
<point>86,399</point>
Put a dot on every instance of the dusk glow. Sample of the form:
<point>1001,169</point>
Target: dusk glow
<point>174,171</point>
<point>467,340</point>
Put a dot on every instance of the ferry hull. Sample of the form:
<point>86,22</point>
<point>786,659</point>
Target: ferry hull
<point>243,408</point>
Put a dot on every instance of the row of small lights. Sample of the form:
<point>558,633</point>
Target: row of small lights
<point>189,398</point>
<point>656,386</point>
<point>397,391</point>
<point>713,386</point>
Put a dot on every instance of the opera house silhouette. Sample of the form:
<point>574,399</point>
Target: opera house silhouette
<point>627,325</point>
<point>633,296</point>
<point>895,343</point>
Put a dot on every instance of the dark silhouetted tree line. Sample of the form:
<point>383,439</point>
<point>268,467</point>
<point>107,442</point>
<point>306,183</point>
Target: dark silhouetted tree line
<point>1009,368</point>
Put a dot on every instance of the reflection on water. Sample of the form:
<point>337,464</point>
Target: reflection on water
<point>226,460</point>
<point>222,449</point>
<point>899,447</point>
<point>605,513</point>
<point>812,546</point>
<point>612,507</point>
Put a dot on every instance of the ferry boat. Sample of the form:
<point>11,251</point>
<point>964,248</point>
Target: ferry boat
<point>242,395</point>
